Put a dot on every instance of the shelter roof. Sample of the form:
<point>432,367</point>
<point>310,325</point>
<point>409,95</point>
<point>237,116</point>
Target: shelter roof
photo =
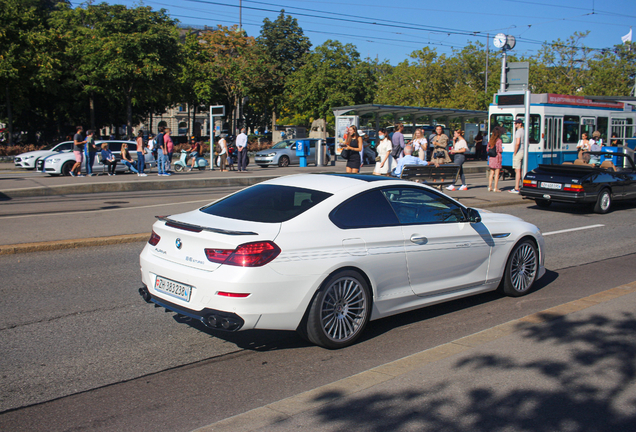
<point>408,110</point>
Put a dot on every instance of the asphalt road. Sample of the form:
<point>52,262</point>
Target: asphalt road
<point>82,351</point>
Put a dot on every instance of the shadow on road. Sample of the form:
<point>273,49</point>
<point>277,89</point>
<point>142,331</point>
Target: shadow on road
<point>589,387</point>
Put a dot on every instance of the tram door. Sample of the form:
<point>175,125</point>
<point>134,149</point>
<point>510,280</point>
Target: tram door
<point>553,150</point>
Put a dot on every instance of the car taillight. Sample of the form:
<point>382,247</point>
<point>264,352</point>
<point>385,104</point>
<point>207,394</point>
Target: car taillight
<point>572,188</point>
<point>255,254</point>
<point>529,183</point>
<point>154,239</point>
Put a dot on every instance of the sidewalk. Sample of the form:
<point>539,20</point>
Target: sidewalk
<point>570,367</point>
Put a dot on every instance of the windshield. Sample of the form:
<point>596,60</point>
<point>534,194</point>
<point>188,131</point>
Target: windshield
<point>266,203</point>
<point>284,144</point>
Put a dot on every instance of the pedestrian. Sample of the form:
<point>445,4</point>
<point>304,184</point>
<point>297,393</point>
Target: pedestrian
<point>479,146</point>
<point>398,142</point>
<point>517,157</point>
<point>386,163</point>
<point>141,151</point>
<point>460,147</point>
<point>241,145</point>
<point>109,159</point>
<point>495,149</point>
<point>169,149</point>
<point>161,151</point>
<point>408,159</point>
<point>152,147</point>
<point>127,159</point>
<point>440,141</point>
<point>355,145</point>
<point>195,151</point>
<point>596,138</point>
<point>420,143</point>
<point>78,149</point>
<point>222,154</point>
<point>89,152</point>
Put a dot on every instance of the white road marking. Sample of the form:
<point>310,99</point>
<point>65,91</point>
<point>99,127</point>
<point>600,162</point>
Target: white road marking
<point>104,210</point>
<point>573,229</point>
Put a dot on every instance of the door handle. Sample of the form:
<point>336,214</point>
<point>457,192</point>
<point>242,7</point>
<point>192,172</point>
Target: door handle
<point>421,240</point>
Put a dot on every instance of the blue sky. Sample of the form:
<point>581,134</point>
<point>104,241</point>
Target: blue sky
<point>391,30</point>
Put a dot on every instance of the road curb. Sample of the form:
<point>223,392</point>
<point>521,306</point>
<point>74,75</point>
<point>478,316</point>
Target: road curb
<point>72,244</point>
<point>284,409</point>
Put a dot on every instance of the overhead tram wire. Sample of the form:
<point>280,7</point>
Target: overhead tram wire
<point>594,11</point>
<point>436,30</point>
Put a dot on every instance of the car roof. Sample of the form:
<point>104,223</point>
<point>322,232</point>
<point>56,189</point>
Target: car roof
<point>334,183</point>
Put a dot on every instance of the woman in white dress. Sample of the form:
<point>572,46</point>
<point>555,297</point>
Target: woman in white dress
<point>386,163</point>
<point>583,145</point>
<point>419,144</point>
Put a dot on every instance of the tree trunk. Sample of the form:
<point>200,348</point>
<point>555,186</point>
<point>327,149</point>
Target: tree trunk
<point>9,117</point>
<point>150,124</point>
<point>273,121</point>
<point>128,116</point>
<point>188,134</point>
<point>91,102</point>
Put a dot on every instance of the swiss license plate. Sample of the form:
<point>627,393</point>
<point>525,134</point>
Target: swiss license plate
<point>551,185</point>
<point>173,288</point>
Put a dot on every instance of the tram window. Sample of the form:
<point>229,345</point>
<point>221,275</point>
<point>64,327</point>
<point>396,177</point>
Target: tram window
<point>571,129</point>
<point>504,121</point>
<point>535,128</point>
<point>601,126</point>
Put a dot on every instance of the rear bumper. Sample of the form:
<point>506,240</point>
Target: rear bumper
<point>558,196</point>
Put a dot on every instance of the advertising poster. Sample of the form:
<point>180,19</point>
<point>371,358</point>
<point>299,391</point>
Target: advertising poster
<point>342,123</point>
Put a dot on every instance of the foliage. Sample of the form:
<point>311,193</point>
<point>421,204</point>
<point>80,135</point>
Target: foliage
<point>285,45</point>
<point>236,62</point>
<point>333,75</point>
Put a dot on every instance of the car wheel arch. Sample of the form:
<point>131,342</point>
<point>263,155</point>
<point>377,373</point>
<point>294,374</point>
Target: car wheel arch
<point>302,324</point>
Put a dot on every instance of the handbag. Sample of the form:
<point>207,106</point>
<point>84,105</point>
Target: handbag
<point>345,154</point>
<point>378,158</point>
<point>492,151</point>
<point>396,152</point>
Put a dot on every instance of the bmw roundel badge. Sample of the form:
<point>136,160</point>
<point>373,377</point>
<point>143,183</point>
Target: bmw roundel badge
<point>178,243</point>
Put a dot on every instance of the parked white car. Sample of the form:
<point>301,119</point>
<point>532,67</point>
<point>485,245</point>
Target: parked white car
<point>61,163</point>
<point>29,160</point>
<point>324,254</point>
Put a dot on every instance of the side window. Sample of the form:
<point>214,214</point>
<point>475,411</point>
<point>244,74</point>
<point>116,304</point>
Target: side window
<point>63,147</point>
<point>367,210</point>
<point>420,206</point>
<point>571,129</point>
<point>534,130</point>
<point>132,147</point>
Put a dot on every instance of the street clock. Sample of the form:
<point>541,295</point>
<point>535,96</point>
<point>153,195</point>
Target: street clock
<point>500,40</point>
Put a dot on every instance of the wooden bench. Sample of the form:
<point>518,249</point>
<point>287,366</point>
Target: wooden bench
<point>431,175</point>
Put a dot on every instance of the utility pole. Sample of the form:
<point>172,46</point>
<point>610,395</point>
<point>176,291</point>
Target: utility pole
<point>240,14</point>
<point>487,59</point>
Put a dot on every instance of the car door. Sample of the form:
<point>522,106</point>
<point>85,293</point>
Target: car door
<point>372,234</point>
<point>444,252</point>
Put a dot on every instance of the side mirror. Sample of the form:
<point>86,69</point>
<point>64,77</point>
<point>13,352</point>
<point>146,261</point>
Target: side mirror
<point>473,216</point>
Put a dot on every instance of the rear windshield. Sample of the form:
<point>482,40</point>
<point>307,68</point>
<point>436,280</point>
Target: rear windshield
<point>266,203</point>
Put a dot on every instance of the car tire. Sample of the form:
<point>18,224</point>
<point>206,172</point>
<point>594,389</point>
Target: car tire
<point>603,202</point>
<point>178,168</point>
<point>543,203</point>
<point>66,168</point>
<point>521,269</point>
<point>283,161</point>
<point>340,310</point>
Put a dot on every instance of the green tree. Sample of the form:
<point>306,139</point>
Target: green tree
<point>238,63</point>
<point>128,55</point>
<point>613,71</point>
<point>561,66</point>
<point>333,75</point>
<point>286,45</point>
<point>26,47</point>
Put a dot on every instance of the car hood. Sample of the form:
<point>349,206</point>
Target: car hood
<point>184,237</point>
<point>36,153</point>
<point>488,217</point>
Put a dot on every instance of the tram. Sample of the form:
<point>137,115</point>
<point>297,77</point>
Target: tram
<point>556,125</point>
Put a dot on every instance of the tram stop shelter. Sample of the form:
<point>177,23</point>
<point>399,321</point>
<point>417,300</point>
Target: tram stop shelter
<point>400,113</point>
